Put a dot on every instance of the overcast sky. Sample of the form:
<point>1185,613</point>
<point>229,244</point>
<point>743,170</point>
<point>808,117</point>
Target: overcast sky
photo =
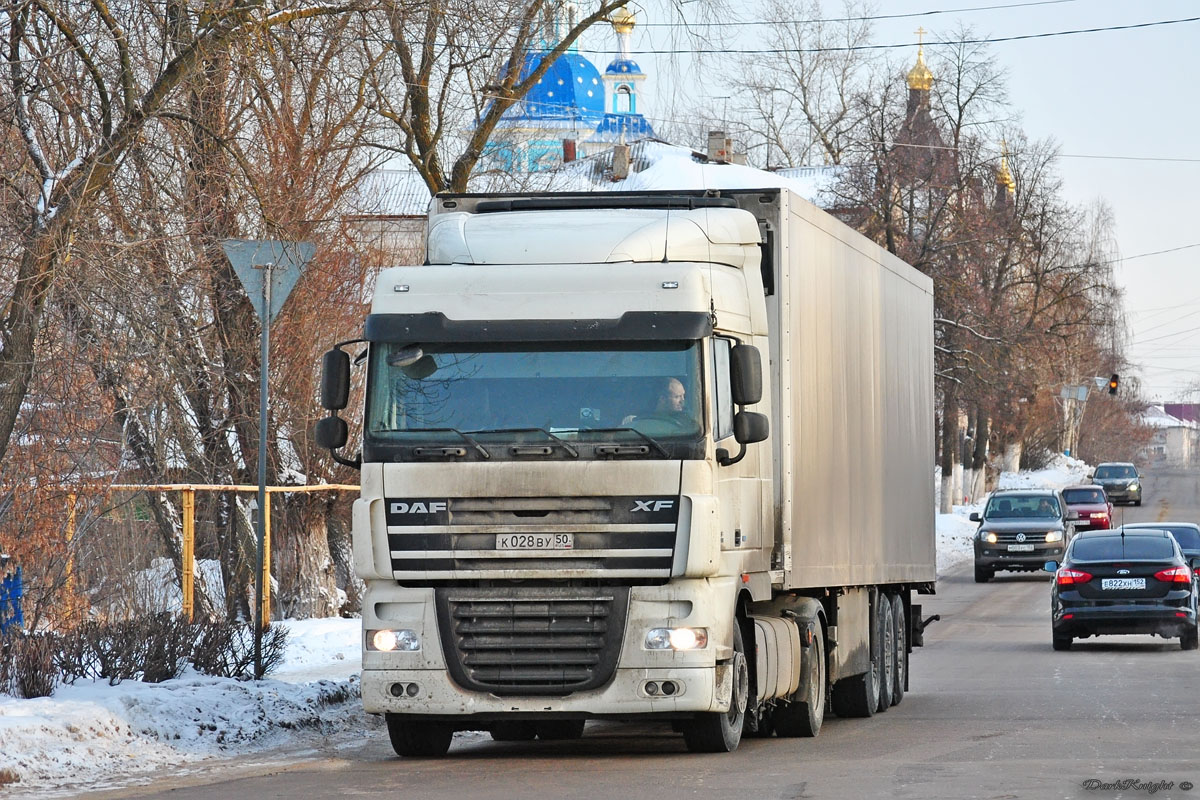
<point>1133,94</point>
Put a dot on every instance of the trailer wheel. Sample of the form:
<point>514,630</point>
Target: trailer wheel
<point>900,623</point>
<point>886,626</point>
<point>803,715</point>
<point>418,739</point>
<point>714,732</point>
<point>560,729</point>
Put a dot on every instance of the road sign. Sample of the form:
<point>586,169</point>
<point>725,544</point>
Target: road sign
<point>284,261</point>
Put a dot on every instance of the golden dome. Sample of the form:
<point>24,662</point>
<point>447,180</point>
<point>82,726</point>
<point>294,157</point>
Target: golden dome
<point>623,20</point>
<point>919,77</point>
<point>1004,176</point>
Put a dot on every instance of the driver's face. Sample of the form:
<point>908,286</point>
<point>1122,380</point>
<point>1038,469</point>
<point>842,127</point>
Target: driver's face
<point>672,399</point>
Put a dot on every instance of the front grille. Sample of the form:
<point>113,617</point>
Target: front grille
<point>616,537</point>
<point>536,641</point>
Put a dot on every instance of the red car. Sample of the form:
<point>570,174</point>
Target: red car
<point>1090,501</point>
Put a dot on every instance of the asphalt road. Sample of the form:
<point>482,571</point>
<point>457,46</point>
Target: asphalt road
<point>992,712</point>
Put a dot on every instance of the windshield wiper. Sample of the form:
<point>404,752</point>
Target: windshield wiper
<point>649,439</point>
<point>466,437</point>
<point>557,440</point>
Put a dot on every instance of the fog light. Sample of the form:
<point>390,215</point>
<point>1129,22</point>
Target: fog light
<point>651,688</point>
<point>668,688</point>
<point>396,689</point>
<point>413,690</point>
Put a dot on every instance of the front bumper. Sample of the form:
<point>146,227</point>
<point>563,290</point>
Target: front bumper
<point>997,557</point>
<point>1123,494</point>
<point>438,698</point>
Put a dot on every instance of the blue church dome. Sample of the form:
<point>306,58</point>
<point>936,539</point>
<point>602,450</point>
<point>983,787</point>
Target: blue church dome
<point>570,89</point>
<point>623,66</point>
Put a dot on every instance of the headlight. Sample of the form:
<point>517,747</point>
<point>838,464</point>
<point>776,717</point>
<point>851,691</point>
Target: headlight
<point>1054,536</point>
<point>987,536</point>
<point>386,641</point>
<point>676,638</point>
<point>1133,485</point>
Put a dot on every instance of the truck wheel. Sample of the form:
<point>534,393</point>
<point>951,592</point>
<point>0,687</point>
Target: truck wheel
<point>513,731</point>
<point>886,630</point>
<point>1189,639</point>
<point>418,739</point>
<point>803,715</point>
<point>560,729</point>
<point>714,732</point>
<point>900,623</point>
<point>983,574</point>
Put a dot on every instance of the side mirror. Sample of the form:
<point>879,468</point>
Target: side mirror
<point>745,373</point>
<point>750,427</point>
<point>975,517</point>
<point>335,380</point>
<point>331,433</point>
<point>1050,566</point>
<point>1194,561</point>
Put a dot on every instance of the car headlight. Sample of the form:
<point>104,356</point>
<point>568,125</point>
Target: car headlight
<point>1054,536</point>
<point>1133,485</point>
<point>387,641</point>
<point>676,638</point>
<point>987,536</point>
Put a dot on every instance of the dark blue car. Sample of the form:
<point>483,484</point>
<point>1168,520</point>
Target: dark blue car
<point>1123,582</point>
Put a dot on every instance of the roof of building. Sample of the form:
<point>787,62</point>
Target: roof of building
<point>623,66</point>
<point>389,193</point>
<point>570,89</point>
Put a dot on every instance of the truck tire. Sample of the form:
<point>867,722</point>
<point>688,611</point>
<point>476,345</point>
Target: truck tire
<point>560,729</point>
<point>521,731</point>
<point>900,621</point>
<point>714,732</point>
<point>418,739</point>
<point>885,627</point>
<point>803,715</point>
<point>983,574</point>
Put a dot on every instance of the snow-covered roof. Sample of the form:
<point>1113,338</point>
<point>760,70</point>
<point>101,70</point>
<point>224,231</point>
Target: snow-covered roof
<point>1156,417</point>
<point>390,193</point>
<point>657,165</point>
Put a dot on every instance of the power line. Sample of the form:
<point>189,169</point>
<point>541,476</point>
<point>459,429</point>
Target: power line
<point>868,18</point>
<point>851,48</point>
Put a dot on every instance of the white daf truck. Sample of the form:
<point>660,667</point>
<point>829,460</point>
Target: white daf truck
<point>640,456</point>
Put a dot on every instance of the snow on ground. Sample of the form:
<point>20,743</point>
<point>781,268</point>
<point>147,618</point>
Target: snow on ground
<point>92,735</point>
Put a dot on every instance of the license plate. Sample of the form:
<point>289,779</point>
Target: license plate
<point>1122,583</point>
<point>535,541</point>
<point>1020,548</point>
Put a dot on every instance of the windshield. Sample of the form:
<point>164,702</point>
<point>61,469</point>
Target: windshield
<point>554,395</point>
<point>1115,473</point>
<point>1023,506</point>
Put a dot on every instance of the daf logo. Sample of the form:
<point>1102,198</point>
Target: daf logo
<point>1122,572</point>
<point>652,505</point>
<point>1020,537</point>
<point>432,507</point>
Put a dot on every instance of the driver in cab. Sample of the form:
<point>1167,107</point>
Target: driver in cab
<point>669,407</point>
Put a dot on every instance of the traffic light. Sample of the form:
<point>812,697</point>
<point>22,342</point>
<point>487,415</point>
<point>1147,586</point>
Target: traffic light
<point>1112,383</point>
